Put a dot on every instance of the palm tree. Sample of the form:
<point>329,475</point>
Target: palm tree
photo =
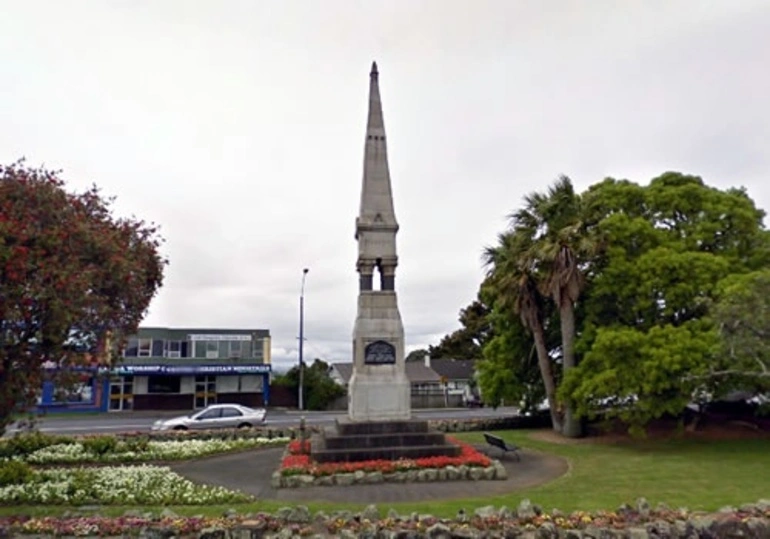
<point>511,274</point>
<point>558,241</point>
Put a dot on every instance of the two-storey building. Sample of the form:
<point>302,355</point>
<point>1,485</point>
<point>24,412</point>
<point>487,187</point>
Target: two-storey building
<point>182,369</point>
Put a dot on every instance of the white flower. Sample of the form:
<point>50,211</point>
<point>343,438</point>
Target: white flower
<point>71,453</point>
<point>125,485</point>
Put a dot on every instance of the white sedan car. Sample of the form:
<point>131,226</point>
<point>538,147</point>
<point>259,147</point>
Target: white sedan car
<point>216,416</point>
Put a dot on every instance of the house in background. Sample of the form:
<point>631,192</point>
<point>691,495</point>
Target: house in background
<point>458,378</point>
<point>426,388</point>
<point>184,369</point>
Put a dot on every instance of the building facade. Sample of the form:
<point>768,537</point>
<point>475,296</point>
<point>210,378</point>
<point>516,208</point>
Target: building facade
<point>184,369</point>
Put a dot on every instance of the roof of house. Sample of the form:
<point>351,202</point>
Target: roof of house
<point>416,372</point>
<point>453,369</point>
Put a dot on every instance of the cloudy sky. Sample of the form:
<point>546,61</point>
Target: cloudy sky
<point>238,126</point>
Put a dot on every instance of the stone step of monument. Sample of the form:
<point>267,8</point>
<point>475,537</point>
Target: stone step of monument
<point>405,439</point>
<point>357,428</point>
<point>384,453</point>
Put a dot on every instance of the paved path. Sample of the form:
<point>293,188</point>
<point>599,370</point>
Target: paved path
<point>251,471</point>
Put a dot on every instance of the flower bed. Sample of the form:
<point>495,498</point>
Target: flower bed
<point>750,520</point>
<point>124,485</point>
<point>141,450</point>
<point>298,469</point>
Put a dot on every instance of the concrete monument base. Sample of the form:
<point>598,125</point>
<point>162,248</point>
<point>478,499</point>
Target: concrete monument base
<point>378,389</point>
<point>379,396</point>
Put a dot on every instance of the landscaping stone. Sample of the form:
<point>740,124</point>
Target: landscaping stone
<point>643,507</point>
<point>485,512</point>
<point>439,530</point>
<point>344,479</point>
<point>526,510</point>
<point>638,533</point>
<point>324,481</point>
<point>430,475</point>
<point>476,474</point>
<point>371,513</point>
<point>547,530</point>
<point>373,478</point>
<point>452,473</point>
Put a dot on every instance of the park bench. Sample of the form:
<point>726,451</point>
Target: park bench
<point>502,445</point>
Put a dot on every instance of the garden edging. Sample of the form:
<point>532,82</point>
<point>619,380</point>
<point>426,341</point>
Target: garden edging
<point>496,471</point>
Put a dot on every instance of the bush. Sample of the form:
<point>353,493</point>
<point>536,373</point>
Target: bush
<point>100,445</point>
<point>26,443</point>
<point>13,472</point>
<point>138,444</point>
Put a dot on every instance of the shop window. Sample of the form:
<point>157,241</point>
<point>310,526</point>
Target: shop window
<point>78,392</point>
<point>163,384</point>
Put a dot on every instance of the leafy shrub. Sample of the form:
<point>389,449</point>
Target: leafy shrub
<point>139,444</point>
<point>13,472</point>
<point>100,445</point>
<point>26,443</point>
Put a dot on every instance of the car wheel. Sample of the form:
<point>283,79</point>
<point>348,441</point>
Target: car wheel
<point>180,427</point>
<point>244,426</point>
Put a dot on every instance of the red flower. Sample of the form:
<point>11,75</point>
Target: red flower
<point>296,462</point>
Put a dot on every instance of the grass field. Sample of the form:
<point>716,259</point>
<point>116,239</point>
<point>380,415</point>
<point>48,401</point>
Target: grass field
<point>697,474</point>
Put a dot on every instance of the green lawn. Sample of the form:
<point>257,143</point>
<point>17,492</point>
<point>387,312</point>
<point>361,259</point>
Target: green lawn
<point>682,473</point>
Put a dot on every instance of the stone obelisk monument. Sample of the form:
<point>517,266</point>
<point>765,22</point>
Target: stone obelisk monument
<point>379,388</point>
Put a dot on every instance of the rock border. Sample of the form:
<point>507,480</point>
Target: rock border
<point>527,521</point>
<point>495,472</point>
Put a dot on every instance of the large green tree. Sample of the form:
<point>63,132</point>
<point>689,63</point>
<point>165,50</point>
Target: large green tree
<point>648,339</point>
<point>71,274</point>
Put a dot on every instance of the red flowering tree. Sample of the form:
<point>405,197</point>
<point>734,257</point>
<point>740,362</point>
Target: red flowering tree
<point>73,279</point>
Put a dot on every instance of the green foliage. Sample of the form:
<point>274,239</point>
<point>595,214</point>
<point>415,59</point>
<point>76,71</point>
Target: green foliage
<point>29,442</point>
<point>73,279</point>
<point>509,371</point>
<point>100,445</point>
<point>662,305</point>
<point>136,444</point>
<point>320,389</point>
<point>468,341</point>
<point>742,314</point>
<point>13,472</point>
<point>638,376</point>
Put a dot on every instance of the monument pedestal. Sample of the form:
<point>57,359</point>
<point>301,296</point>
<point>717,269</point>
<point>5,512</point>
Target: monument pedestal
<point>350,441</point>
<point>378,389</point>
<point>379,396</point>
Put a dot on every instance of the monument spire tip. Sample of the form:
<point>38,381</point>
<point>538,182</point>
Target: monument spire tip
<point>374,71</point>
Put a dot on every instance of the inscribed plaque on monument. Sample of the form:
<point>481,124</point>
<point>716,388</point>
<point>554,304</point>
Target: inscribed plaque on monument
<point>379,353</point>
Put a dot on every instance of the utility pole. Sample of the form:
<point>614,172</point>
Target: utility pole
<point>300,396</point>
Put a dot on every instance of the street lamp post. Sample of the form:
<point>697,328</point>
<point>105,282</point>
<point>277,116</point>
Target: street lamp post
<point>300,397</point>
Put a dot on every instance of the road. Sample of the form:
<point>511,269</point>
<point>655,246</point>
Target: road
<point>141,421</point>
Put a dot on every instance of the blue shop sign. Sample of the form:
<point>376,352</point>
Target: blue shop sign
<point>191,369</point>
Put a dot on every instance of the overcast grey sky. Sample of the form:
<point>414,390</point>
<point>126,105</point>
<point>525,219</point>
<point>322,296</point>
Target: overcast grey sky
<point>238,126</point>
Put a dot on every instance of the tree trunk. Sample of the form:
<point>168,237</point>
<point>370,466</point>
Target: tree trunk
<point>546,372</point>
<point>572,427</point>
